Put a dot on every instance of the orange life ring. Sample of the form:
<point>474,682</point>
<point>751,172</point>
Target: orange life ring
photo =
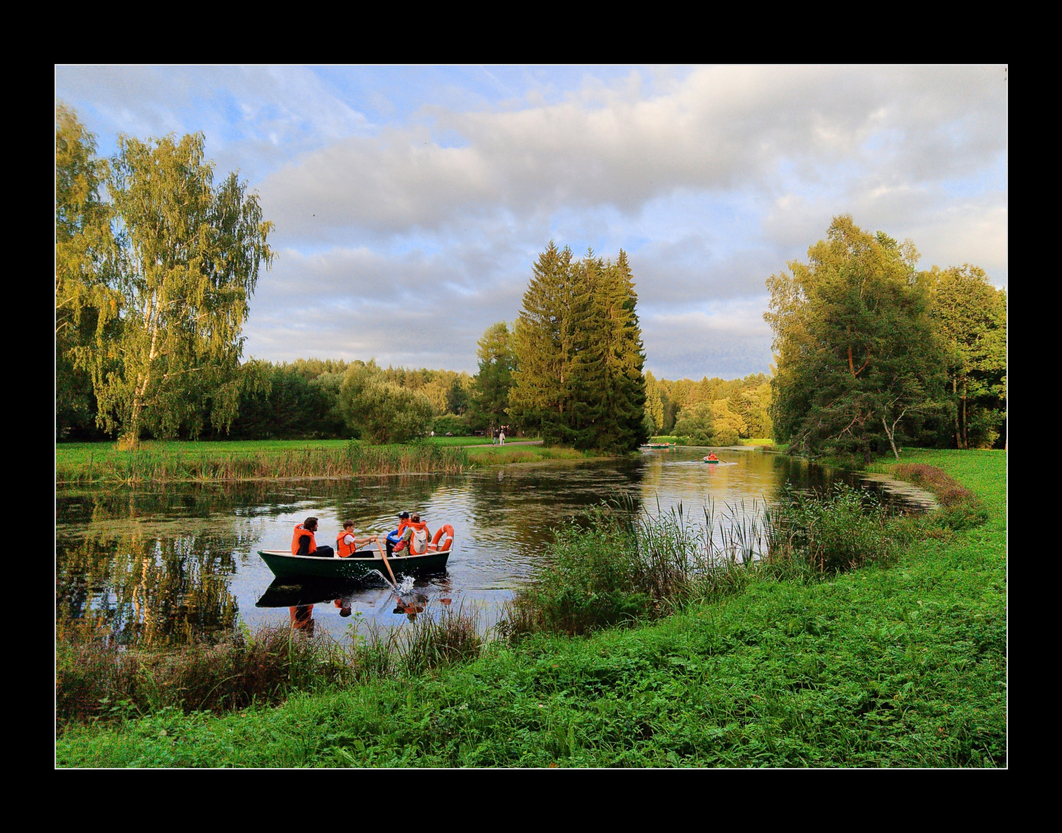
<point>449,530</point>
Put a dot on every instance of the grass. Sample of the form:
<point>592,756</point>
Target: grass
<point>83,463</point>
<point>895,664</point>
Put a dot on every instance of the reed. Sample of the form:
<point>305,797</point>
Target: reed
<point>615,565</point>
<point>203,462</point>
<point>440,639</point>
<point>98,679</point>
<point>808,535</point>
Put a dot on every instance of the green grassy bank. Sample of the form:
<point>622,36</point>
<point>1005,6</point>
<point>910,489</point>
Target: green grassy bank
<point>893,665</point>
<point>181,461</point>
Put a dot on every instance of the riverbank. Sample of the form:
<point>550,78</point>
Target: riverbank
<point>180,461</point>
<point>888,666</point>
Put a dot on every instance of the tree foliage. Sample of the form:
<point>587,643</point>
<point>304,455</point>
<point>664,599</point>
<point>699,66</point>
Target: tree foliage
<point>970,317</point>
<point>859,366</point>
<point>168,292</point>
<point>86,304</point>
<point>490,389</point>
<point>380,411</point>
<point>577,344</point>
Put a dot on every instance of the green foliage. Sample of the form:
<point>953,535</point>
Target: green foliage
<point>282,401</point>
<point>844,530</point>
<point>86,303</point>
<point>859,364</point>
<point>490,389</point>
<point>579,355</point>
<point>171,301</point>
<point>970,316</point>
<point>379,411</point>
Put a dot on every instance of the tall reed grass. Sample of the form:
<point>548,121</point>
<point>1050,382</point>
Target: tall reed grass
<point>97,679</point>
<point>612,565</point>
<point>177,462</point>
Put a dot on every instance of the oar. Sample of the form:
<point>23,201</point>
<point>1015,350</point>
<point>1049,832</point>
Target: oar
<point>387,564</point>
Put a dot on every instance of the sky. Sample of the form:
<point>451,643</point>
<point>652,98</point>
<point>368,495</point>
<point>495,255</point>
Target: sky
<point>411,202</point>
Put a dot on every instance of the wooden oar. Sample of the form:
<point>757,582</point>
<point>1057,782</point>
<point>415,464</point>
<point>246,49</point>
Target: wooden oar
<point>387,564</point>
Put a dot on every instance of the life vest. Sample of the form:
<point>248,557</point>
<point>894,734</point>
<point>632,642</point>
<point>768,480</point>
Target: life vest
<point>418,541</point>
<point>343,550</point>
<point>449,542</point>
<point>300,530</point>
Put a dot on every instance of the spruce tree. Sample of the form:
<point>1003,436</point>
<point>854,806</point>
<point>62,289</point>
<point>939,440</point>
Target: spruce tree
<point>579,354</point>
<point>541,343</point>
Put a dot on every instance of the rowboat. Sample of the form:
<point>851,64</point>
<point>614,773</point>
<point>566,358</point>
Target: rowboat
<point>356,566</point>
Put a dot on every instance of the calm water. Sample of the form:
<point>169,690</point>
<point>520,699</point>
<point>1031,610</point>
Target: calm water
<point>173,562</point>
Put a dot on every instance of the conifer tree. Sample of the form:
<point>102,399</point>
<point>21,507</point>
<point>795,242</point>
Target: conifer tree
<point>541,343</point>
<point>579,352</point>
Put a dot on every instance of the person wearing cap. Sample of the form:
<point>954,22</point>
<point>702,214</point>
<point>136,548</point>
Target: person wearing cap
<point>394,537</point>
<point>414,536</point>
<point>303,541</point>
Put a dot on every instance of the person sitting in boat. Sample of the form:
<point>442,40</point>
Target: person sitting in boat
<point>711,458</point>
<point>414,536</point>
<point>395,536</point>
<point>347,543</point>
<point>303,541</point>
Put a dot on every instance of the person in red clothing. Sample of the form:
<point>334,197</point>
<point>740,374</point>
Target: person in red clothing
<point>303,541</point>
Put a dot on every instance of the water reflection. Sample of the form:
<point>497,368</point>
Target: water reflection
<point>168,564</point>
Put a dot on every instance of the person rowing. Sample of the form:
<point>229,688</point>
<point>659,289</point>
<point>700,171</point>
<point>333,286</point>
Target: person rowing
<point>347,543</point>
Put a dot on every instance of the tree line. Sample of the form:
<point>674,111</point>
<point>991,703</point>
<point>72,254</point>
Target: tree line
<point>156,263</point>
<point>872,353</point>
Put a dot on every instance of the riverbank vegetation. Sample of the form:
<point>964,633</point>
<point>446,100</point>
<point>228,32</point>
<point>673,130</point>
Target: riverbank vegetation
<point>858,640</point>
<point>162,461</point>
<point>872,354</point>
<point>172,461</point>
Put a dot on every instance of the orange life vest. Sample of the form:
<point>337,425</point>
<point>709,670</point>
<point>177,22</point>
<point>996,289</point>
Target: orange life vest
<point>342,550</point>
<point>414,526</point>
<point>300,530</point>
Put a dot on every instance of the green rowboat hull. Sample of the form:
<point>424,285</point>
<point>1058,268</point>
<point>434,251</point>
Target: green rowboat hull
<point>359,565</point>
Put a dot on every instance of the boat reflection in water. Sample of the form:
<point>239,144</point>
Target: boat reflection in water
<point>342,597</point>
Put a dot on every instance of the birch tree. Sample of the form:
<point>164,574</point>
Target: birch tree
<point>190,256</point>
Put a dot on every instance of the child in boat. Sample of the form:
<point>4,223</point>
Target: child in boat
<point>414,537</point>
<point>347,543</point>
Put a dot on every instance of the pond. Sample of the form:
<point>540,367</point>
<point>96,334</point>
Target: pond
<point>172,563</point>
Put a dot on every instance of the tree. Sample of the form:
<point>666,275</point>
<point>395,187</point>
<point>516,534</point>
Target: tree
<point>623,425</point>
<point>189,260</point>
<point>490,389</point>
<point>970,317</point>
<point>86,305</point>
<point>858,361</point>
<point>380,411</point>
<point>579,354</point>
<point>541,345</point>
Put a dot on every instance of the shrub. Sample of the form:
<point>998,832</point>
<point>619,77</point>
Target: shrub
<point>843,531</point>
